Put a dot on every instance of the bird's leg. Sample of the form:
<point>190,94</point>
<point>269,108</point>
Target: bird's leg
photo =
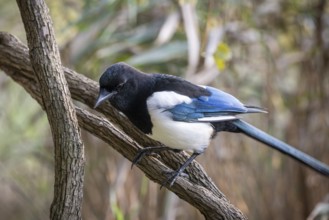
<point>149,150</point>
<point>173,175</point>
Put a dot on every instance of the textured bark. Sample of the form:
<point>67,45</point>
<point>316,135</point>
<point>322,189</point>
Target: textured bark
<point>56,100</point>
<point>198,190</point>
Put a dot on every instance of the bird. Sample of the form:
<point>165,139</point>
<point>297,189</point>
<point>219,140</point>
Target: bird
<point>183,116</point>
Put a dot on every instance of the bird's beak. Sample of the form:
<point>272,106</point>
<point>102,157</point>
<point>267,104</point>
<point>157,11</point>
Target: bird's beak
<point>103,95</point>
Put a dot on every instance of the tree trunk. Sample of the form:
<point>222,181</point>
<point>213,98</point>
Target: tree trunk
<point>56,100</point>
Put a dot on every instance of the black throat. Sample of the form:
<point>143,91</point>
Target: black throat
<point>136,110</point>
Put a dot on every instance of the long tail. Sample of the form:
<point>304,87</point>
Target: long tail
<point>261,136</point>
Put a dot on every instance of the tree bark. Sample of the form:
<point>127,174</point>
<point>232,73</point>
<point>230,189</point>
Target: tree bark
<point>198,189</point>
<point>56,100</point>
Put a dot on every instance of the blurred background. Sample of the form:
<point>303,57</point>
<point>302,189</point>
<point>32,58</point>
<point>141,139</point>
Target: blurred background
<point>273,54</point>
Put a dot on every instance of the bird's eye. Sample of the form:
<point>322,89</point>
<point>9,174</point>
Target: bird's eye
<point>119,86</point>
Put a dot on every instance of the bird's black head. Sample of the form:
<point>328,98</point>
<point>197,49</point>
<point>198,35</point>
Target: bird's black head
<point>118,84</point>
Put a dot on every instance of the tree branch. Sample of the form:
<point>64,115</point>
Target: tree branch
<point>57,103</point>
<point>198,190</point>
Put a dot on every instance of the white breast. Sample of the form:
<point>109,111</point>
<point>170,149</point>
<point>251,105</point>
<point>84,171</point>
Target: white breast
<point>175,134</point>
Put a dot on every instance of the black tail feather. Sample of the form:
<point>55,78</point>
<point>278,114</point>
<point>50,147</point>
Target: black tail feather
<point>261,136</point>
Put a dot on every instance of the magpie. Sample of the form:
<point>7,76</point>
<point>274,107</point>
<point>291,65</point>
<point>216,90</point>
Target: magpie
<point>182,115</point>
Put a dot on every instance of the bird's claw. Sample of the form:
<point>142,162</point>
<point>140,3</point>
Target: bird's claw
<point>144,152</point>
<point>172,177</point>
<point>148,151</point>
<point>140,154</point>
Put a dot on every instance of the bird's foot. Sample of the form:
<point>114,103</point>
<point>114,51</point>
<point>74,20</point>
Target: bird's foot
<point>146,152</point>
<point>172,177</point>
<point>140,154</point>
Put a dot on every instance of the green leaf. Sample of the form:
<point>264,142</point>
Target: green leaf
<point>222,55</point>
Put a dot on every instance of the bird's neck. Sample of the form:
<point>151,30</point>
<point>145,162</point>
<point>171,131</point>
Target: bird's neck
<point>137,109</point>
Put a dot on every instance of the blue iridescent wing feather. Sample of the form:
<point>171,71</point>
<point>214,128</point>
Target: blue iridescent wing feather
<point>217,104</point>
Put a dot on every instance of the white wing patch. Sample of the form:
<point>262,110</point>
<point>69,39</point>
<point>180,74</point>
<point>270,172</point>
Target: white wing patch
<point>165,100</point>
